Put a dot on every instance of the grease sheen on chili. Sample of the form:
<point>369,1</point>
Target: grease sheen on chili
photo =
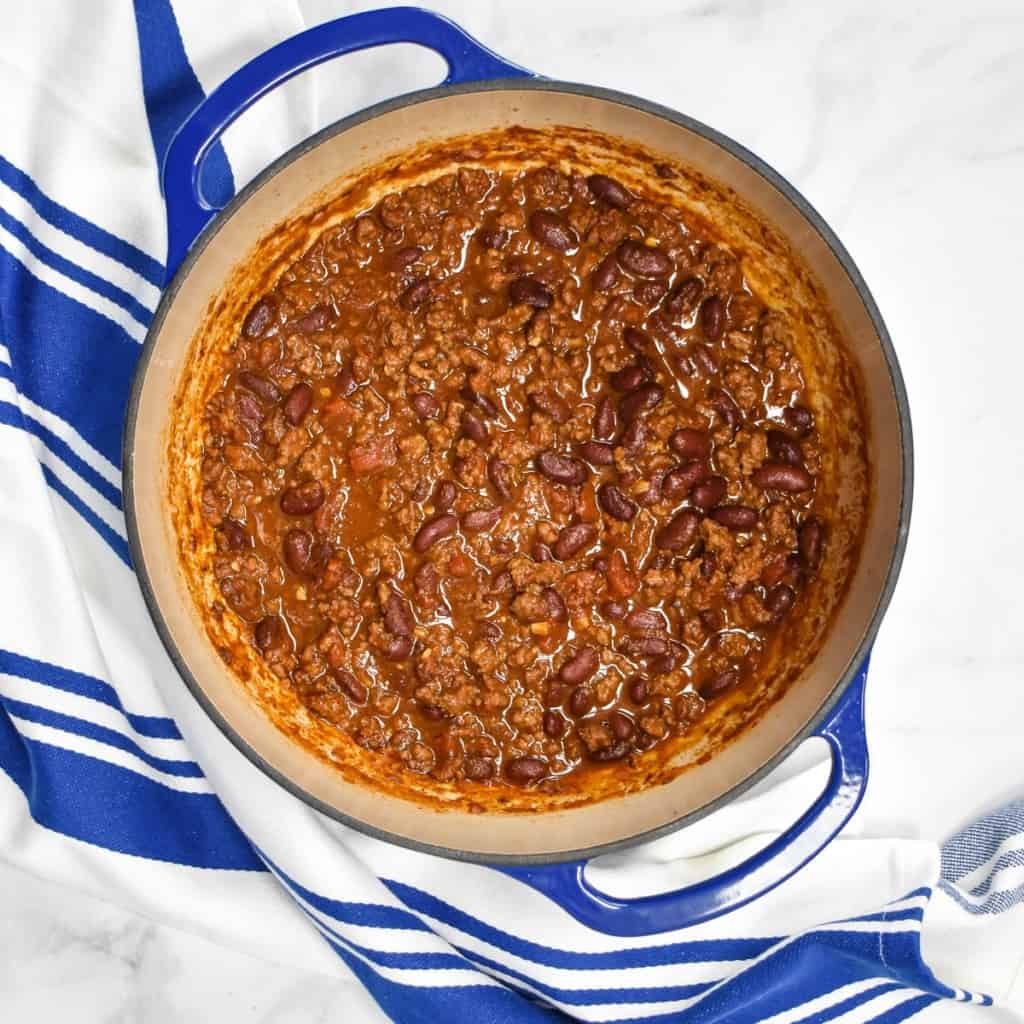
<point>512,475</point>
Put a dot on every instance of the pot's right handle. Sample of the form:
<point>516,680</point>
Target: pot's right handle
<point>188,212</point>
<point>567,885</point>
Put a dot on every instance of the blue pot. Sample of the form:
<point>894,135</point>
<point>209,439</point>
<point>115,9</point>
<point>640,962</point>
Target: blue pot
<point>482,92</point>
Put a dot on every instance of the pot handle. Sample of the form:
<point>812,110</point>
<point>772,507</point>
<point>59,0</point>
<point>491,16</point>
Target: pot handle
<point>188,211</point>
<point>566,884</point>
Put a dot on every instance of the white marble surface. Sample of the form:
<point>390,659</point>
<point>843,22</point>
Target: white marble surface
<point>902,123</point>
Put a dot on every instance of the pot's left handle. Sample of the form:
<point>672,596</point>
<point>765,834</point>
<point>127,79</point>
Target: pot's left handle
<point>188,212</point>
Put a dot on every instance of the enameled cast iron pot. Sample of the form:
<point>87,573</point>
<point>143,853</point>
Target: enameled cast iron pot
<point>483,92</point>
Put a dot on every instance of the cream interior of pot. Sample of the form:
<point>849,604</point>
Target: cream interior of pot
<point>786,260</point>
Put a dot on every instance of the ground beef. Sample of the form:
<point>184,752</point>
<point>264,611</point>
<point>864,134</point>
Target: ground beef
<point>462,502</point>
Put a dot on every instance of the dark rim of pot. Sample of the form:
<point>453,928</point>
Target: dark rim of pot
<point>790,193</point>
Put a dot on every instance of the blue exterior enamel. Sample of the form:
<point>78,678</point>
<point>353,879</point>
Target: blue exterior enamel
<point>566,884</point>
<point>844,732</point>
<point>188,212</point>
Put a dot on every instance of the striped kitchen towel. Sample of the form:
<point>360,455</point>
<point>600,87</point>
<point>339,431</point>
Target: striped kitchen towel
<point>115,782</point>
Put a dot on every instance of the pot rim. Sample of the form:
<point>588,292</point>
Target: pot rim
<point>735,149</point>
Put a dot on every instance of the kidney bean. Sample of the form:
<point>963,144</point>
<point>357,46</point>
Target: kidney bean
<point>685,366</point>
<point>734,591</point>
<point>551,403</point>
<point>719,684</point>
<point>480,520</point>
<point>774,571</point>
<point>345,383</point>
<point>643,261</point>
<point>525,770</point>
<point>645,741</point>
<point>480,400</point>
<point>690,444</point>
<point>315,320</point>
<point>444,495</point>
<point>298,402</point>
<point>297,546</point>
<point>540,552</point>
<point>557,611</point>
<point>573,539</point>
<point>268,632</point>
<point>597,453</point>
<point>580,667</point>
<point>249,410</point>
<point>735,517</point>
<point>779,600</point>
<point>398,615</point>
<point>605,418</point>
<point>415,295</point>
<point>553,230</point>
<point>782,448</point>
<point>528,291</point>
<point>303,499</point>
<point>502,583</point>
<point>491,632</point>
<point>712,317</point>
<point>637,690</point>
<point>621,725</point>
<point>554,724</point>
<point>477,769</point>
<point>615,503</point>
<point>259,318</point>
<point>615,611</point>
<point>640,401</point>
<point>810,541</point>
<point>606,274</point>
<point>321,554</point>
<point>493,238</point>
<point>235,537</point>
<point>727,409</point>
<point>580,702</point>
<point>645,620</point>
<point>680,531</point>
<point>635,339</point>
<point>680,480</point>
<point>434,530</point>
<point>562,469</point>
<point>800,419</point>
<point>350,685</point>
<point>662,665</point>
<point>473,427</point>
<point>609,191</point>
<point>703,360</point>
<point>616,752</point>
<point>425,405</point>
<point>500,476</point>
<point>779,476</point>
<point>629,378</point>
<point>397,648</point>
<point>645,646</point>
<point>259,386</point>
<point>684,296</point>
<point>708,493</point>
<point>406,257</point>
<point>652,495</point>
